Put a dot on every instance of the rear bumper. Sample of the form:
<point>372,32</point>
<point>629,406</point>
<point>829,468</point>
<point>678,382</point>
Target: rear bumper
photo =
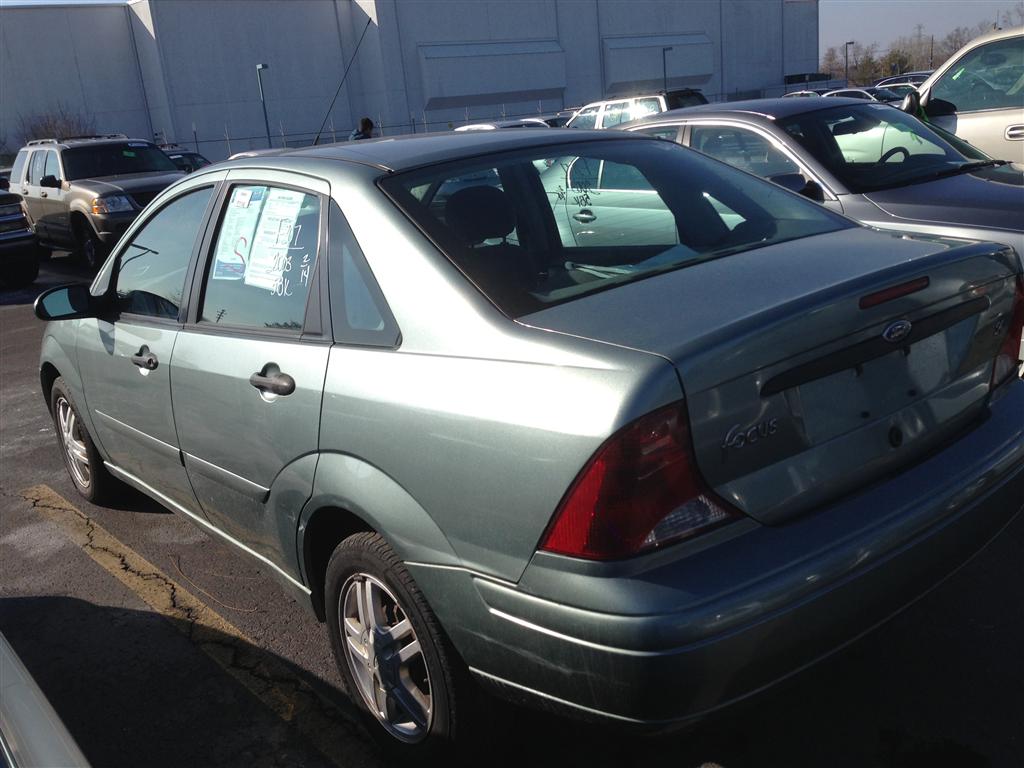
<point>710,622</point>
<point>18,246</point>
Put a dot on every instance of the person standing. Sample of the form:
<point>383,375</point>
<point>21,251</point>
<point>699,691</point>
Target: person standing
<point>364,131</point>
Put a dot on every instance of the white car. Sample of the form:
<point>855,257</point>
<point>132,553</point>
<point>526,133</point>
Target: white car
<point>613,112</point>
<point>978,94</point>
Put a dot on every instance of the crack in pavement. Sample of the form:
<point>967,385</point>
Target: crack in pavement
<point>332,727</point>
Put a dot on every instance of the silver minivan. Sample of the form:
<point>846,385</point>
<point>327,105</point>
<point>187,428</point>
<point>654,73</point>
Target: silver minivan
<point>978,94</point>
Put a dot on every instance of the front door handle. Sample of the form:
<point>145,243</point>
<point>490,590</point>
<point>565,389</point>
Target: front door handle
<point>43,194</point>
<point>585,216</point>
<point>1014,133</point>
<point>271,380</point>
<point>145,359</point>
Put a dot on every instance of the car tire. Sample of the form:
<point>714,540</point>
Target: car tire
<point>82,460</point>
<point>364,571</point>
<point>91,249</point>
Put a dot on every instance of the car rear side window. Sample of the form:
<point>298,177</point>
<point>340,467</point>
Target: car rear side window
<point>35,169</point>
<point>359,312</point>
<point>264,259</point>
<point>152,267</point>
<point>741,148</point>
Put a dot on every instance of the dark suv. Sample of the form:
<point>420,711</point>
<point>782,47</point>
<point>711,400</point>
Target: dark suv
<point>81,193</point>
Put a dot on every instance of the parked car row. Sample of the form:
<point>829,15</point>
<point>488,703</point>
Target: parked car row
<point>626,425</point>
<point>562,416</point>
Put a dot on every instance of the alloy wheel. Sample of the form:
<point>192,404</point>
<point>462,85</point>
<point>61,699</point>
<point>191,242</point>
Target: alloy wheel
<point>385,657</point>
<point>74,445</point>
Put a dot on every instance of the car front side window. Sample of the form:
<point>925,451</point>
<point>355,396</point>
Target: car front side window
<point>989,77</point>
<point>52,166</point>
<point>152,266</point>
<point>587,118</point>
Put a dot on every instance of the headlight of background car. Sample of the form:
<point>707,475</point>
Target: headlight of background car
<point>112,204</point>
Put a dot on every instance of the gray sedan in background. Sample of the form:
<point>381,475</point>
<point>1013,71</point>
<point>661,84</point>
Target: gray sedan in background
<point>869,161</point>
<point>629,457</point>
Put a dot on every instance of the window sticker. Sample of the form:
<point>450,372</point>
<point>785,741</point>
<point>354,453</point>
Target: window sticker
<point>127,153</point>
<point>234,243</point>
<point>268,255</point>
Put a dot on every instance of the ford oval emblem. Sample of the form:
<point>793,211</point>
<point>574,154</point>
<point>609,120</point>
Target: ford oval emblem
<point>897,331</point>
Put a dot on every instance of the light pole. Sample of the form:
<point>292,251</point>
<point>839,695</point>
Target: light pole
<point>846,55</point>
<point>259,79</point>
<point>664,68</point>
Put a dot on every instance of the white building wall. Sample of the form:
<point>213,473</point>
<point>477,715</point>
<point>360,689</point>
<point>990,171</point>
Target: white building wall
<point>79,58</point>
<point>162,66</point>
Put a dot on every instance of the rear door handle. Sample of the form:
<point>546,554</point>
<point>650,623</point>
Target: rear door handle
<point>585,216</point>
<point>145,359</point>
<point>43,194</point>
<point>271,380</point>
<point>1014,133</point>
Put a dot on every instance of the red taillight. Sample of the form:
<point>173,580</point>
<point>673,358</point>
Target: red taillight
<point>1008,360</point>
<point>641,490</point>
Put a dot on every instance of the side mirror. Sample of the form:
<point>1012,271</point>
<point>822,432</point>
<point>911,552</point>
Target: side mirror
<point>50,181</point>
<point>939,108</point>
<point>66,302</point>
<point>911,103</point>
<point>794,182</point>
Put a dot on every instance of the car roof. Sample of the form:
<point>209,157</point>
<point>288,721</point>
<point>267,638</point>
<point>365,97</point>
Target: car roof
<point>768,109</point>
<point>83,141</point>
<point>401,153</point>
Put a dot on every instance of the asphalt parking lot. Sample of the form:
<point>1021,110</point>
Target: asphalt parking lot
<point>159,646</point>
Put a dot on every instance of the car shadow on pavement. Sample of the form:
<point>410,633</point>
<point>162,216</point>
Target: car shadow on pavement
<point>132,691</point>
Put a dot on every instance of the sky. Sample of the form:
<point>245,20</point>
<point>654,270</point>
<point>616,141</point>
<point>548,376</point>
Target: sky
<point>882,21</point>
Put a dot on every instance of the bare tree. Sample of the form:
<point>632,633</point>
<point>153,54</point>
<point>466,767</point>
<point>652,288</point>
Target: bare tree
<point>1014,17</point>
<point>832,63</point>
<point>58,122</point>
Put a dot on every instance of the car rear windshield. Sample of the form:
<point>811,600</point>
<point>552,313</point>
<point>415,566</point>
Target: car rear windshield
<point>874,146</point>
<point>538,227</point>
<point>114,160</point>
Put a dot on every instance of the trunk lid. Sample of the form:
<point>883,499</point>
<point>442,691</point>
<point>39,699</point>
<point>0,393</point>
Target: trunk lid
<point>794,395</point>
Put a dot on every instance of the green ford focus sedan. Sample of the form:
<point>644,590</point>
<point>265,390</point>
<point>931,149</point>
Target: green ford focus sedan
<point>586,421</point>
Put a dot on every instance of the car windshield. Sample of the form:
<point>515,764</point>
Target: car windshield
<point>114,160</point>
<point>874,146</point>
<point>539,227</point>
<point>884,94</point>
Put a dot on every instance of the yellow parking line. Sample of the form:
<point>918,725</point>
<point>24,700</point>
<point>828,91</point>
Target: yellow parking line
<point>335,733</point>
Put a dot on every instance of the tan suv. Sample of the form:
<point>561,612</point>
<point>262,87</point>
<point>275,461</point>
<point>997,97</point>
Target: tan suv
<point>81,193</point>
<point>978,94</point>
